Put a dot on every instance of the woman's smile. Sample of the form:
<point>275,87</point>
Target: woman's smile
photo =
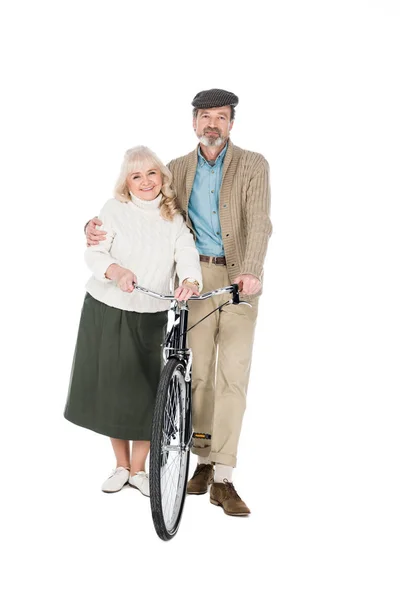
<point>145,183</point>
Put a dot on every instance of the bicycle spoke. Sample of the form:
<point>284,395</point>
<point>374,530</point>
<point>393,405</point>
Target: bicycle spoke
<point>170,484</point>
<point>171,473</point>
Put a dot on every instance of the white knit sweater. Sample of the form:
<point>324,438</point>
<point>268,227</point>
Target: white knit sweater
<point>139,239</point>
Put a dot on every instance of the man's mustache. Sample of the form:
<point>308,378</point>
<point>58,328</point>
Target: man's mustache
<point>212,130</point>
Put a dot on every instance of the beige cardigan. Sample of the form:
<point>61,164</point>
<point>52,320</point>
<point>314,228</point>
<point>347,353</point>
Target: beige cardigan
<point>244,206</point>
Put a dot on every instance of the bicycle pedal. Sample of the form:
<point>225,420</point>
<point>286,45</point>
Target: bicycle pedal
<point>202,436</point>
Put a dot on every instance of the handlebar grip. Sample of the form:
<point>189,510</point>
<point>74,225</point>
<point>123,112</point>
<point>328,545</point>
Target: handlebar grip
<point>235,294</point>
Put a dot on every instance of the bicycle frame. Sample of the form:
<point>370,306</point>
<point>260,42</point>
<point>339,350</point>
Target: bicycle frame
<point>176,338</point>
<point>172,431</point>
<point>175,343</point>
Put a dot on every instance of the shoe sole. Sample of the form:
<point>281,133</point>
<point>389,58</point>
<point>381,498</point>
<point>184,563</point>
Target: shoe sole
<point>229,513</point>
<point>114,491</point>
<point>136,488</point>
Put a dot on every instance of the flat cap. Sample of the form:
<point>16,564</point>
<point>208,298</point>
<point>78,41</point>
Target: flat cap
<point>214,98</point>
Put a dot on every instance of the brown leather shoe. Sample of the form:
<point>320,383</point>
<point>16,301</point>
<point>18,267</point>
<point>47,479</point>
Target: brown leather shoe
<point>202,477</point>
<point>225,495</point>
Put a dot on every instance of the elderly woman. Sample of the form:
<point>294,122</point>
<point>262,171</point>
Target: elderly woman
<point>117,359</point>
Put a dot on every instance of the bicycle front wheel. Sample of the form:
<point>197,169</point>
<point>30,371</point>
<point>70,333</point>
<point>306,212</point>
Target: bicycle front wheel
<point>169,449</point>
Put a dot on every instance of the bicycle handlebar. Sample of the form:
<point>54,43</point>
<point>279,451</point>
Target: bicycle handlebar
<point>230,289</point>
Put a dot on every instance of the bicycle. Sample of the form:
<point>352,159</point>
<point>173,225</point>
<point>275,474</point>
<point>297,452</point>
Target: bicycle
<point>172,434</point>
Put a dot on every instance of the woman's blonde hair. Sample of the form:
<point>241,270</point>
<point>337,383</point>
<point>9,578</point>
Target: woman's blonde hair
<point>134,160</point>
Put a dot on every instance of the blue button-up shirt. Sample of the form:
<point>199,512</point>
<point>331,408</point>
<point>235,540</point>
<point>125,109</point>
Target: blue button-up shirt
<point>204,205</point>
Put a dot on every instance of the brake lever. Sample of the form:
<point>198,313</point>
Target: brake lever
<point>231,301</point>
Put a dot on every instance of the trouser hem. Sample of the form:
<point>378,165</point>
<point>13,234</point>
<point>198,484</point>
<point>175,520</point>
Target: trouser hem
<point>204,452</point>
<point>223,459</point>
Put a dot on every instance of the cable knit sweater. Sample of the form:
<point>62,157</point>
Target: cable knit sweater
<point>139,239</point>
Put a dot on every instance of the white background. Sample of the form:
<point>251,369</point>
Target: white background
<point>318,465</point>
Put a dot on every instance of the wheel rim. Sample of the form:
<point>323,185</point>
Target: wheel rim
<point>174,452</point>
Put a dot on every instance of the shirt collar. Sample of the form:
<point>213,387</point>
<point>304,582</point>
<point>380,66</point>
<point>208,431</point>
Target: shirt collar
<point>202,161</point>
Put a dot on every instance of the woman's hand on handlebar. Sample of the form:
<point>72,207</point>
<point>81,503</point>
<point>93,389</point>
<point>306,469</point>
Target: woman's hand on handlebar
<point>126,281</point>
<point>186,291</point>
<point>124,278</point>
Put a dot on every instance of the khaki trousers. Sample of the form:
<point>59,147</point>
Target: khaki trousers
<point>222,347</point>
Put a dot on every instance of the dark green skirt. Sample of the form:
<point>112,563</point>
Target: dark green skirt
<point>116,370</point>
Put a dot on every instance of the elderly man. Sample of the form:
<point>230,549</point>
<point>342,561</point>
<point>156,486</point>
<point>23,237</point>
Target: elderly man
<point>225,193</point>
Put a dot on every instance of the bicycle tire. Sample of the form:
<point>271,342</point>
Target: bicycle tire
<point>170,425</point>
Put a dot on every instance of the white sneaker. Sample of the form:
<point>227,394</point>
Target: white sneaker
<point>141,482</point>
<point>118,478</point>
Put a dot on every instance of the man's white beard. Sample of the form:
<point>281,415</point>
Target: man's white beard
<point>207,141</point>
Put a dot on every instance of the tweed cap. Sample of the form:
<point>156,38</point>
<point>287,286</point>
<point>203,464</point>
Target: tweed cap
<point>214,98</point>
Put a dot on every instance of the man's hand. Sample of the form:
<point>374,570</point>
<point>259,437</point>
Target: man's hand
<point>248,284</point>
<point>186,291</point>
<point>93,235</point>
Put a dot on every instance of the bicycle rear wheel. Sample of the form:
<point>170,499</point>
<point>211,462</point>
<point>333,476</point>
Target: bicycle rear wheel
<point>169,449</point>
